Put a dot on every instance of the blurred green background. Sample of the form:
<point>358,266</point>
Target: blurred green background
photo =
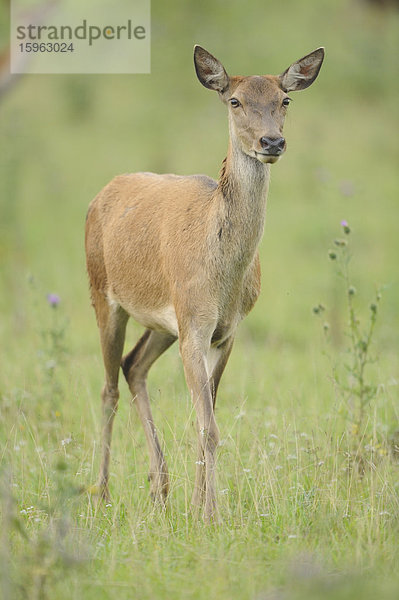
<point>62,139</point>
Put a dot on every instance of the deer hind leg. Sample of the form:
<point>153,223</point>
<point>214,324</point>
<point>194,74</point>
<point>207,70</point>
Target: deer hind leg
<point>135,366</point>
<point>217,360</point>
<point>112,321</point>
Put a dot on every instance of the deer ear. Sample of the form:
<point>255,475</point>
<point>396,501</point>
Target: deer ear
<point>301,74</point>
<point>210,71</point>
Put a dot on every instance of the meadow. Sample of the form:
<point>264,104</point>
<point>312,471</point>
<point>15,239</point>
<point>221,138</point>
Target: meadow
<point>308,466</point>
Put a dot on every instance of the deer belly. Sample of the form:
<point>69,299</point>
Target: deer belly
<point>162,319</point>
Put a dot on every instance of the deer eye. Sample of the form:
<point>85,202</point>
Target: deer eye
<point>234,102</point>
<point>286,101</point>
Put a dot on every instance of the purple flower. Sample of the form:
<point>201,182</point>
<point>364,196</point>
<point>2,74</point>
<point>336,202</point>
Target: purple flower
<point>346,227</point>
<point>53,300</point>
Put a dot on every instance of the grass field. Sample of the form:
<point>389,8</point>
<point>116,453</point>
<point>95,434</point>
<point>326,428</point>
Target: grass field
<point>308,480</point>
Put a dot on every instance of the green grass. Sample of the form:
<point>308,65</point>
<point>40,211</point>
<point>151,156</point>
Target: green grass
<point>309,504</point>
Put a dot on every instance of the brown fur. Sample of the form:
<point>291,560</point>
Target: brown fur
<point>179,254</point>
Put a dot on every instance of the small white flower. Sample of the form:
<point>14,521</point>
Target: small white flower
<point>199,462</point>
<point>66,441</point>
<point>247,470</point>
<point>274,436</point>
<point>278,467</point>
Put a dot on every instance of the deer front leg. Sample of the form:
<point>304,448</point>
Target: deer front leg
<point>198,497</point>
<point>193,350</point>
<point>216,362</point>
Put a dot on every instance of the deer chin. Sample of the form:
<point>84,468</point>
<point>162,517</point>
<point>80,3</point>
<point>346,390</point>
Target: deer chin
<point>267,159</point>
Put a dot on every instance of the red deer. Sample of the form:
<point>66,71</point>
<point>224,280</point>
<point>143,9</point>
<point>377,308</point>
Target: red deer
<point>179,254</point>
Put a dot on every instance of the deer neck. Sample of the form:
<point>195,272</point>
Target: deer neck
<point>243,187</point>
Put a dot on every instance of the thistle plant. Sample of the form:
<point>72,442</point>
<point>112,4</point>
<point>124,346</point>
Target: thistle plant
<point>53,350</point>
<point>353,383</point>
<point>53,336</point>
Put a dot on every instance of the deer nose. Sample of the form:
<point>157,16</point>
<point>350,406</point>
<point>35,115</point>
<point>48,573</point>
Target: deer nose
<point>273,145</point>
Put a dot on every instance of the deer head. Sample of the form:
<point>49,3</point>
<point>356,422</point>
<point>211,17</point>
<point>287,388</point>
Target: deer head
<point>257,104</point>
